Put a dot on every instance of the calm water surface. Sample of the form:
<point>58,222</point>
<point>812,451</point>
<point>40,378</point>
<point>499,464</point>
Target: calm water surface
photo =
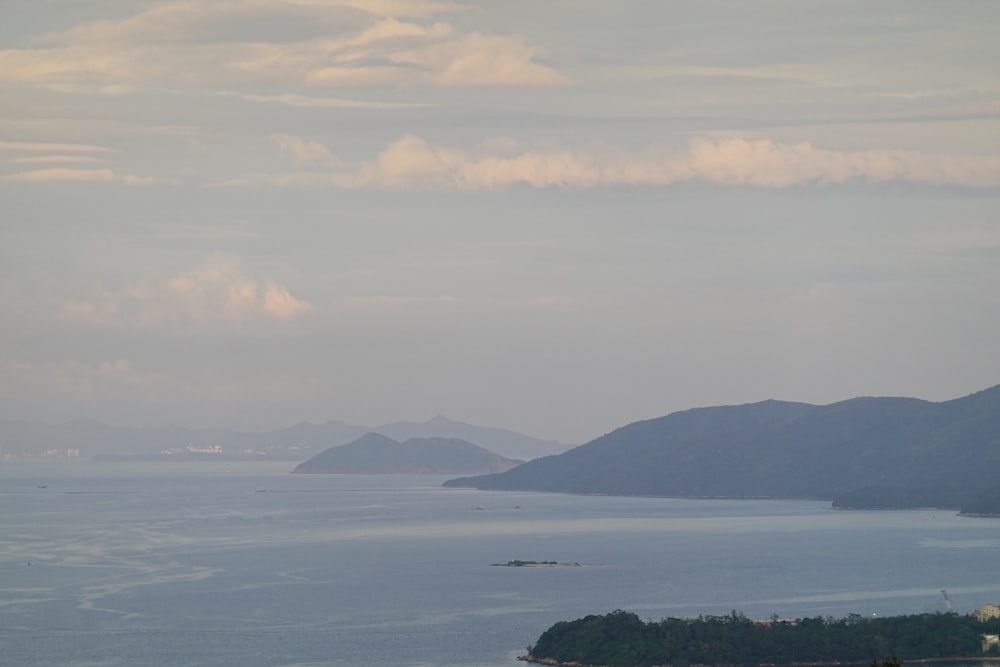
<point>246,565</point>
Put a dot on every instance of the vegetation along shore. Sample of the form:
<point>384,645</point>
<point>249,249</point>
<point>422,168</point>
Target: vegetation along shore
<point>622,639</point>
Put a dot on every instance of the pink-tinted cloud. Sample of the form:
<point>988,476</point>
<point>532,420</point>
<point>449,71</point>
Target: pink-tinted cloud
<point>70,175</point>
<point>412,162</point>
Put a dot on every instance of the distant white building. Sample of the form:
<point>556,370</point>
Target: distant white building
<point>988,611</point>
<point>207,449</point>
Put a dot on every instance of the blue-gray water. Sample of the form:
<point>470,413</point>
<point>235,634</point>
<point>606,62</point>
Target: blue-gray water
<point>246,565</point>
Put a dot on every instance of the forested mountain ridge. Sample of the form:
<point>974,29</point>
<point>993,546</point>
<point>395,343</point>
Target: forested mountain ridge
<point>776,449</point>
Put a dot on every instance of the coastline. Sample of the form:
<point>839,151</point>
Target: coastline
<point>923,661</point>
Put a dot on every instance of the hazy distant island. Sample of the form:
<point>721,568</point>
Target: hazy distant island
<point>859,453</point>
<point>535,563</point>
<point>622,639</point>
<point>376,454</point>
<point>87,439</point>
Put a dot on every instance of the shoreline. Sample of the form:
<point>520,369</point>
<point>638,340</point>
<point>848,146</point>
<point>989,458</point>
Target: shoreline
<point>924,661</point>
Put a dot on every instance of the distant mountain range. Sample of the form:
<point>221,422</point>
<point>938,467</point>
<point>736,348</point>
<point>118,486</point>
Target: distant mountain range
<point>91,439</point>
<point>865,451</point>
<point>373,453</point>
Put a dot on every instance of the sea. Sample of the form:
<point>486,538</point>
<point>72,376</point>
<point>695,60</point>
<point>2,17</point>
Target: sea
<point>235,564</point>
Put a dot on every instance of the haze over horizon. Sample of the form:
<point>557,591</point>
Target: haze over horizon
<point>553,217</point>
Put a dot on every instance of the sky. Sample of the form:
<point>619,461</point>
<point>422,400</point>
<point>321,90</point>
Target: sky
<point>552,216</point>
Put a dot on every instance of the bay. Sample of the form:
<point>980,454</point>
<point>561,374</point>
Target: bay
<point>245,564</point>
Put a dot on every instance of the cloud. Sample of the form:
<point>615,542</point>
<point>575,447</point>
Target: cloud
<point>307,102</point>
<point>69,154</point>
<point>442,303</point>
<point>52,147</point>
<point>410,8</point>
<point>412,162</point>
<point>191,43</point>
<point>305,152</point>
<point>764,163</point>
<point>483,60</point>
<point>278,302</point>
<point>41,159</point>
<point>68,175</point>
<point>84,381</point>
<point>215,294</point>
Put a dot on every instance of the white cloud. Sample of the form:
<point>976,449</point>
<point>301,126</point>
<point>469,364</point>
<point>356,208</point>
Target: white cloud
<point>278,302</point>
<point>412,162</point>
<point>305,152</point>
<point>215,294</point>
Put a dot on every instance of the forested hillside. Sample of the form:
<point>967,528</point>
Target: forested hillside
<point>777,449</point>
<point>621,638</point>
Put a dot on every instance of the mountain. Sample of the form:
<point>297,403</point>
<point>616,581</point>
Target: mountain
<point>91,439</point>
<point>374,453</point>
<point>777,449</point>
<point>499,440</point>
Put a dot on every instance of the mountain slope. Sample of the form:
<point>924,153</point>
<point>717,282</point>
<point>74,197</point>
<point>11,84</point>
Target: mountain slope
<point>373,453</point>
<point>779,450</point>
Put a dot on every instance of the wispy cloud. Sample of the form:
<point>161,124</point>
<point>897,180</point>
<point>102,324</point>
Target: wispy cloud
<point>69,175</point>
<point>216,293</point>
<point>86,384</point>
<point>76,379</point>
<point>46,159</point>
<point>188,43</point>
<point>308,102</point>
<point>38,146</point>
<point>444,303</point>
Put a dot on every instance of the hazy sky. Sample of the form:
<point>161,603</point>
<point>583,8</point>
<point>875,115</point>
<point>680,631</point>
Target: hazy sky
<point>553,216</point>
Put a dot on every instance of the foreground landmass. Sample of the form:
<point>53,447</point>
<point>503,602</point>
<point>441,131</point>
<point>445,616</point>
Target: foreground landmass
<point>864,452</point>
<point>622,639</point>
